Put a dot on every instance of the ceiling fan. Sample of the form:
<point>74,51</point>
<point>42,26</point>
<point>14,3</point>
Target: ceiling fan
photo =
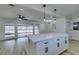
<point>18,16</point>
<point>21,17</point>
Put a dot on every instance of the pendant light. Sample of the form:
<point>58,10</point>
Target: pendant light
<point>54,17</point>
<point>44,12</point>
<point>49,20</point>
<point>45,20</point>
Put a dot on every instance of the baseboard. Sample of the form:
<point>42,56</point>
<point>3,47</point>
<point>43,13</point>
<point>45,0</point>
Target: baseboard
<point>73,39</point>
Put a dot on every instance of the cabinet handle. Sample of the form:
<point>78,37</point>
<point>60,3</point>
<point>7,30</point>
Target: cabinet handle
<point>46,49</point>
<point>58,44</point>
<point>65,41</point>
<point>46,43</point>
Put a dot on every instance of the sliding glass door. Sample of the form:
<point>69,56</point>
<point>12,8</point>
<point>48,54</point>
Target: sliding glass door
<point>21,30</point>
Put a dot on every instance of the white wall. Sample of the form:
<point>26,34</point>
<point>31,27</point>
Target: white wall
<point>60,25</point>
<point>50,28</point>
<point>69,27</point>
<point>75,33</point>
<point>46,28</point>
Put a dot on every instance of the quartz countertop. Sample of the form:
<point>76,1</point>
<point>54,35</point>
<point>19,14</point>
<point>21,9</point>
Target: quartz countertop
<point>41,37</point>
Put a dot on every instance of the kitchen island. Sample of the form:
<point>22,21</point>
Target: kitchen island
<point>48,44</point>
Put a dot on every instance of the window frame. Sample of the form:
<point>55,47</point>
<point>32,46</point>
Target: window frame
<point>31,32</point>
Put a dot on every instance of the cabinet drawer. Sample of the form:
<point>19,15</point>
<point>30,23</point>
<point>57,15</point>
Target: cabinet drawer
<point>43,43</point>
<point>42,47</point>
<point>43,50</point>
<point>46,47</point>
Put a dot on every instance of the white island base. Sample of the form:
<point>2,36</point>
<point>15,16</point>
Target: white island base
<point>48,44</point>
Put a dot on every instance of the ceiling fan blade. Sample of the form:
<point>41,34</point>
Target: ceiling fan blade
<point>12,5</point>
<point>25,19</point>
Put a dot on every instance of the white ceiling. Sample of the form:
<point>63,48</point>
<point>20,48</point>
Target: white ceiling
<point>35,11</point>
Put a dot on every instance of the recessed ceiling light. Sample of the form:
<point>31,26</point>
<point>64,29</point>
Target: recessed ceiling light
<point>21,9</point>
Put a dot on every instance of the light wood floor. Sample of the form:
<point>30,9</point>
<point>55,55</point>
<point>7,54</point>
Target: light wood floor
<point>73,48</point>
<point>6,48</point>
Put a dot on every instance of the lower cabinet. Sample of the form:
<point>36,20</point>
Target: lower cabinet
<point>45,47</point>
<point>61,44</point>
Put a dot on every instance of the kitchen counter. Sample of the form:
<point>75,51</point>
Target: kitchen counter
<point>41,37</point>
<point>48,44</point>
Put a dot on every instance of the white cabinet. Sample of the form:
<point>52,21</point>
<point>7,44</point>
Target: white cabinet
<point>51,45</point>
<point>61,44</point>
<point>65,42</point>
<point>45,47</point>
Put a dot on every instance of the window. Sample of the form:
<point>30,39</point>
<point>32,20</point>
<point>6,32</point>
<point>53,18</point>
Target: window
<point>76,26</point>
<point>9,31</point>
<point>29,30</point>
<point>19,31</point>
<point>24,30</point>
